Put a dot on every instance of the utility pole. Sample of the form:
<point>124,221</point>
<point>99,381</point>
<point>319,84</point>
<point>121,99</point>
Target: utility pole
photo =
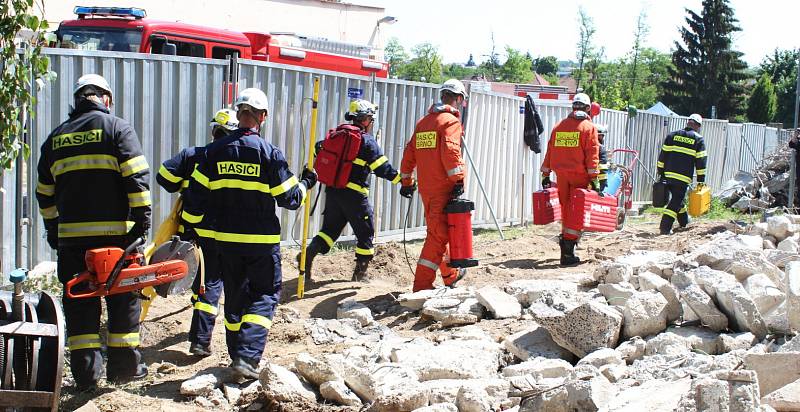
<point>793,164</point>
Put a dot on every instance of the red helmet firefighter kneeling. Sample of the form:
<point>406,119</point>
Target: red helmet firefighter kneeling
<point>572,153</point>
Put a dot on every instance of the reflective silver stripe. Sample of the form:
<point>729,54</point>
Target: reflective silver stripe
<point>405,175</point>
<point>47,190</point>
<point>123,340</point>
<point>133,166</point>
<point>573,232</point>
<point>545,170</point>
<point>83,162</point>
<point>94,229</point>
<point>592,171</point>
<point>428,264</point>
<point>454,171</point>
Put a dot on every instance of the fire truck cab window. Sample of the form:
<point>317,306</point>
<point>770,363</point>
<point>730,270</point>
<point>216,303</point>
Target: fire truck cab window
<point>222,52</point>
<point>183,48</point>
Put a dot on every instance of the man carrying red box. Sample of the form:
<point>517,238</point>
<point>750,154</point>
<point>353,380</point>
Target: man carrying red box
<point>572,153</point>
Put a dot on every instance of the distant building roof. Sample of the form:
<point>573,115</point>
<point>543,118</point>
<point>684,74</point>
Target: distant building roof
<point>539,80</point>
<point>662,109</point>
<point>569,82</point>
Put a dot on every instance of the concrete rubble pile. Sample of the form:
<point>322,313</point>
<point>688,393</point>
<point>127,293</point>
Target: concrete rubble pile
<point>708,330</point>
<point>767,186</point>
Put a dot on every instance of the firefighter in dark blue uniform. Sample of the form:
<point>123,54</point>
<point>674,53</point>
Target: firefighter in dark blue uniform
<point>602,154</point>
<point>93,192</point>
<point>236,186</point>
<point>351,204</point>
<point>683,152</point>
<point>174,176</point>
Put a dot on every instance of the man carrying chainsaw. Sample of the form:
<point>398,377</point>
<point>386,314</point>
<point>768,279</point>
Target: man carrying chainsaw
<point>572,153</point>
<point>175,175</point>
<point>435,152</point>
<point>344,162</point>
<point>683,152</point>
<point>235,188</point>
<point>95,153</point>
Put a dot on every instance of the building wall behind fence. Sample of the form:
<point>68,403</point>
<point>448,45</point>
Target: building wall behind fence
<point>170,100</point>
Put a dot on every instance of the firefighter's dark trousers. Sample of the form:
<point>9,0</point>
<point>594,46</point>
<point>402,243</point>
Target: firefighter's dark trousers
<point>206,305</point>
<point>83,327</point>
<point>676,206</point>
<point>252,286</point>
<point>343,206</point>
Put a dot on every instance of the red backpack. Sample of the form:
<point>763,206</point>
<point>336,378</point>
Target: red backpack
<point>335,159</point>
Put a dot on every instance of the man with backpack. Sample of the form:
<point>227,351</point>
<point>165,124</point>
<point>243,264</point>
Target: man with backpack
<point>344,162</point>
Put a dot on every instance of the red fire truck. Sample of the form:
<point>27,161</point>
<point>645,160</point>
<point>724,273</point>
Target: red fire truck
<point>129,30</point>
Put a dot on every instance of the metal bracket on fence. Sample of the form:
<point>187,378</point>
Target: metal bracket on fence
<point>749,149</point>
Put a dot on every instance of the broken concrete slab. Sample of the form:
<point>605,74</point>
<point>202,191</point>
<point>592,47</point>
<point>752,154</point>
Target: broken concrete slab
<point>415,300</point>
<point>534,342</point>
<point>668,344</point>
<point>644,314</point>
<point>740,309</point>
<point>282,385</point>
<point>594,394</point>
<point>199,385</point>
<point>553,400</point>
<point>735,259</point>
<point>729,342</point>
<point>602,357</point>
<point>613,272</point>
<point>539,368</point>
<point>382,379</point>
<point>779,226</point>
<point>438,407</point>
<point>446,390</point>
<point>709,279</point>
<point>500,304</point>
<point>789,244</point>
<point>582,330</point>
<point>700,339</point>
<point>616,294</point>
<point>640,258</point>
<point>764,291</point>
<point>701,304</point>
<point>653,395</point>
<point>775,370</point>
<point>632,349</point>
<point>453,312</point>
<point>451,359</point>
<point>792,345</point>
<point>780,258</point>
<point>793,295</point>
<point>232,393</point>
<point>734,391</point>
<point>786,398</point>
<point>314,370</point>
<point>337,391</point>
<point>473,399</point>
<point>350,309</point>
<point>528,291</point>
<point>614,373</point>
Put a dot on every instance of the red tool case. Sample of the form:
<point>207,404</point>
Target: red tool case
<point>591,212</point>
<point>546,206</point>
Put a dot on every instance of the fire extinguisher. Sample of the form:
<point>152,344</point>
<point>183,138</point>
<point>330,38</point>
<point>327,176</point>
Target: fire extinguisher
<point>459,227</point>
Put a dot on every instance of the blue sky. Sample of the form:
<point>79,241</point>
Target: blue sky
<point>550,27</point>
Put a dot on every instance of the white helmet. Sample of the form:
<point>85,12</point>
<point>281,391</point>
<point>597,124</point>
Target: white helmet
<point>252,97</point>
<point>454,86</point>
<point>225,118</point>
<point>361,107</point>
<point>582,98</point>
<point>696,118</point>
<point>95,80</point>
<point>602,129</point>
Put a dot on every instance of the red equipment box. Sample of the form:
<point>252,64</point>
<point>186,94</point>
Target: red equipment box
<point>546,206</point>
<point>591,212</point>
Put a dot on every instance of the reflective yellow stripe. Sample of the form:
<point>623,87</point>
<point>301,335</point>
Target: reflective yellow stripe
<point>683,210</point>
<point>244,238</point>
<point>365,252</point>
<point>181,229</point>
<point>185,184</point>
<point>670,213</point>
<point>139,199</point>
<point>208,234</point>
<point>357,188</point>
<point>359,162</point>
<point>258,320</point>
<point>602,176</point>
<point>87,341</point>
<point>47,190</point>
<point>678,176</point>
<point>200,177</point>
<point>94,229</point>
<point>679,149</point>
<point>428,264</point>
<point>700,154</point>
<point>283,187</point>
<point>233,327</point>
<point>205,307</point>
<point>239,184</point>
<point>194,297</point>
<point>133,166</point>
<point>83,162</point>
<point>49,213</point>
<point>326,238</point>
<point>660,164</point>
<point>123,340</point>
<point>377,163</point>
<point>194,219</point>
<point>701,172</point>
<point>396,179</point>
<point>166,174</point>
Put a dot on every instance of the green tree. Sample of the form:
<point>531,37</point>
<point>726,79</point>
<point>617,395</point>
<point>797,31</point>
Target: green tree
<point>457,71</point>
<point>585,48</point>
<point>517,67</point>
<point>781,66</point>
<point>763,102</point>
<point>395,55</point>
<point>490,66</point>
<point>18,71</point>
<point>639,37</point>
<point>707,72</point>
<point>546,65</point>
<point>426,65</point>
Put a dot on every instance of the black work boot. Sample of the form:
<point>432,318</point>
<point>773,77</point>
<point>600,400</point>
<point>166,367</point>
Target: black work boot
<point>568,257</point>
<point>360,271</point>
<point>665,228</point>
<point>198,349</point>
<point>312,250</point>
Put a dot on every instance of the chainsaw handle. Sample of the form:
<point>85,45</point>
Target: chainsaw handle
<point>77,280</point>
<point>112,277</point>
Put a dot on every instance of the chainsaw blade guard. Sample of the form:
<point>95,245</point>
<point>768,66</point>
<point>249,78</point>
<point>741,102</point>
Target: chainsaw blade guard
<point>177,250</point>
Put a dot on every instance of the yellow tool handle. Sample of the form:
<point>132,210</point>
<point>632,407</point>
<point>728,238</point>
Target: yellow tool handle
<point>301,278</point>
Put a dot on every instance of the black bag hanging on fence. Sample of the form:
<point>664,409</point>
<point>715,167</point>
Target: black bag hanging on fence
<point>659,193</point>
<point>533,126</point>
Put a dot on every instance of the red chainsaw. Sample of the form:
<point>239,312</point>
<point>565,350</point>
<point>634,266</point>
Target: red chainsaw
<point>112,270</point>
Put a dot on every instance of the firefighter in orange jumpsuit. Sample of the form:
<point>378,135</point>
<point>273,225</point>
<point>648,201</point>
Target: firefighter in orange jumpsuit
<point>572,153</point>
<point>435,151</point>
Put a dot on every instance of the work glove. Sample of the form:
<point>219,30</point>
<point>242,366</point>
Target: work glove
<point>52,238</point>
<point>595,184</point>
<point>139,230</point>
<point>457,191</point>
<point>308,177</point>
<point>546,182</point>
<point>408,191</point>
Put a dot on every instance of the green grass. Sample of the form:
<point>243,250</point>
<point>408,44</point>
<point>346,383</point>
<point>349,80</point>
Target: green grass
<point>717,211</point>
<point>510,232</point>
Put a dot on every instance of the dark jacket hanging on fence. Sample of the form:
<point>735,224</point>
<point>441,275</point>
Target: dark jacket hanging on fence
<point>533,126</point>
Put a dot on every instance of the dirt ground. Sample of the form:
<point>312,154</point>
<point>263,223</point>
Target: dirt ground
<point>528,253</point>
